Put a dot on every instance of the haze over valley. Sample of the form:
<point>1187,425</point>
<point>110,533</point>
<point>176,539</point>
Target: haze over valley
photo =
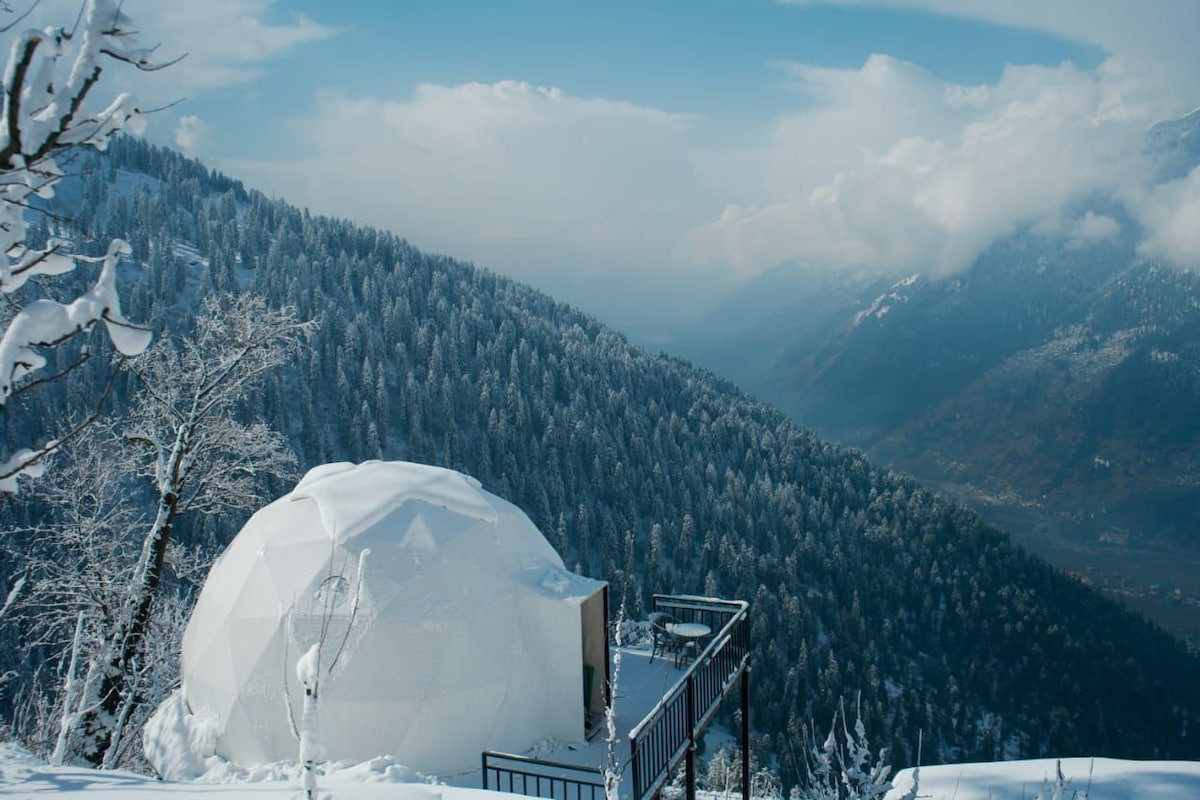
<point>1051,386</point>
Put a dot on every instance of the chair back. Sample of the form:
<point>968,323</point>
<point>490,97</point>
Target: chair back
<point>659,620</point>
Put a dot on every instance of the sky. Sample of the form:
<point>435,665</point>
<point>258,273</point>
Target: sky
<point>643,158</point>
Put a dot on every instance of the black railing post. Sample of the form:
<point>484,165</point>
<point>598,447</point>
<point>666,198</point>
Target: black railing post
<point>746,733</point>
<point>635,767</point>
<point>483,764</point>
<point>691,732</point>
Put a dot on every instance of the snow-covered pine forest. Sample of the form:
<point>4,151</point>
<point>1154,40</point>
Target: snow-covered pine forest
<point>861,581</point>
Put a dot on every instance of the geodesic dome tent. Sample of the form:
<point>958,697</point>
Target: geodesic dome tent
<point>449,624</point>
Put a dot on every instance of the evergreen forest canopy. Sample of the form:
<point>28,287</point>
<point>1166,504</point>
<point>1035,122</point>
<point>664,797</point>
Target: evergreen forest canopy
<point>658,476</point>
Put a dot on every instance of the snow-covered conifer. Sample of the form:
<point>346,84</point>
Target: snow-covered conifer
<point>845,769</point>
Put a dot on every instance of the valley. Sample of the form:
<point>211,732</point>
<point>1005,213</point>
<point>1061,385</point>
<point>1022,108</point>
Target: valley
<point>1160,582</point>
<point>1051,386</point>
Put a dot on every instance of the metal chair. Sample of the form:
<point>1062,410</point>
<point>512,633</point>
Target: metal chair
<point>686,653</point>
<point>664,642</point>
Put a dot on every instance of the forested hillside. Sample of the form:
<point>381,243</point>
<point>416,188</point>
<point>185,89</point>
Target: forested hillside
<point>861,581</point>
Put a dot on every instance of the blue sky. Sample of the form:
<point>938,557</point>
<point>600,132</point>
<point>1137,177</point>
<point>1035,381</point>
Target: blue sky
<point>715,59</point>
<point>640,159</point>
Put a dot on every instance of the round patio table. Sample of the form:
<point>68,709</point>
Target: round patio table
<point>689,630</point>
<point>689,634</point>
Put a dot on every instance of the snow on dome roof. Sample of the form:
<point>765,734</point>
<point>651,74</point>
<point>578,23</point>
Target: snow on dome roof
<point>352,497</point>
<point>465,634</point>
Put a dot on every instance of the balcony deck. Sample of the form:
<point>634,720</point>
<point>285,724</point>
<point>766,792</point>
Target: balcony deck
<point>642,684</point>
<point>660,711</point>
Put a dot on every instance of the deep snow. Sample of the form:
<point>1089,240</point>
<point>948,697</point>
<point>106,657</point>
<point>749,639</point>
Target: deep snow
<point>1093,778</point>
<point>24,776</point>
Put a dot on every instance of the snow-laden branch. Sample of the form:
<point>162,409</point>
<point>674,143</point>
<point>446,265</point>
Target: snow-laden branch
<point>49,82</point>
<point>28,462</point>
<point>13,593</point>
<point>51,74</point>
<point>47,323</point>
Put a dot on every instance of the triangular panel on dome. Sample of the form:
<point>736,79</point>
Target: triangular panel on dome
<point>463,632</point>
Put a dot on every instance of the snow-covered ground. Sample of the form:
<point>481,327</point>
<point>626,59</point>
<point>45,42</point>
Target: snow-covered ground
<point>1095,779</point>
<point>23,776</point>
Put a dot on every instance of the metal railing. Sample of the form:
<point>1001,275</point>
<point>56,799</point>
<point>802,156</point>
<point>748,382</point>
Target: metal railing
<point>538,778</point>
<point>669,732</point>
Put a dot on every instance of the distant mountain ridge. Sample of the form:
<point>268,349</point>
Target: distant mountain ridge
<point>1061,370</point>
<point>660,476</point>
<point>1175,146</point>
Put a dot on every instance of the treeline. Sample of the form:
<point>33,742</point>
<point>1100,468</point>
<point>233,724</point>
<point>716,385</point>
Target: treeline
<point>661,477</point>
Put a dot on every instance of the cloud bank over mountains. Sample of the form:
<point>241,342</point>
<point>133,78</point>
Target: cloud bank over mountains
<point>933,171</point>
<point>503,165</point>
<point>883,164</point>
<point>944,170</point>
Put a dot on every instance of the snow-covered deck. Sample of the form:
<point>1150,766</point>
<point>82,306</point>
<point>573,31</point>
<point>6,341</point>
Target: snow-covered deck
<point>642,683</point>
<point>662,711</point>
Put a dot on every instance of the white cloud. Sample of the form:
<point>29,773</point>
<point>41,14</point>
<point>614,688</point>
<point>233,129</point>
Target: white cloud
<point>1090,229</point>
<point>527,179</point>
<point>1152,46</point>
<point>1171,213</point>
<point>854,113</point>
<point>227,41</point>
<point>898,170</point>
<point>193,136</point>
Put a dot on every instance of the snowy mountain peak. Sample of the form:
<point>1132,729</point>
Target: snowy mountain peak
<point>899,292</point>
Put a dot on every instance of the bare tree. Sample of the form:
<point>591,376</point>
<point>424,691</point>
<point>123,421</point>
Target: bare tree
<point>75,567</point>
<point>198,458</point>
<point>49,82</point>
<point>613,768</point>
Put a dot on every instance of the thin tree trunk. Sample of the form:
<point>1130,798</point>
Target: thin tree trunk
<point>70,718</point>
<point>127,645</point>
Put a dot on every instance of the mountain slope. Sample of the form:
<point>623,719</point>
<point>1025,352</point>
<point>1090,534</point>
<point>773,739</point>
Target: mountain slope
<point>1098,412</point>
<point>659,476</point>
<point>1054,383</point>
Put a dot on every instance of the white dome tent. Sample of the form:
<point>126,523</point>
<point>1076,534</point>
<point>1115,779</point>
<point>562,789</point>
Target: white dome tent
<point>463,633</point>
